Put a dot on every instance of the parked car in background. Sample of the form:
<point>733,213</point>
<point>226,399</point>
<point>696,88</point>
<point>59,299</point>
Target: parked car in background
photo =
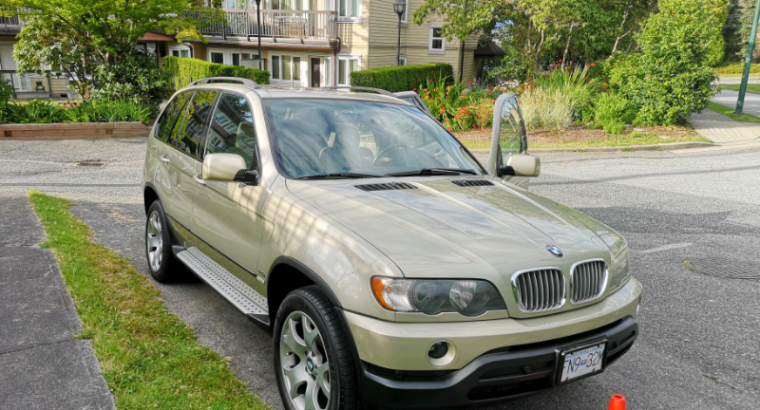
<point>392,268</point>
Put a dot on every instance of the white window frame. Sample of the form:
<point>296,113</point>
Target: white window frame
<point>347,18</point>
<point>180,49</point>
<point>239,53</point>
<point>347,58</point>
<point>301,79</point>
<point>432,50</point>
<point>403,58</point>
<point>405,16</point>
<point>226,56</point>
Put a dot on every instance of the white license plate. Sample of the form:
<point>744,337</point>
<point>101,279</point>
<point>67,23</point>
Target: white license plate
<point>582,362</point>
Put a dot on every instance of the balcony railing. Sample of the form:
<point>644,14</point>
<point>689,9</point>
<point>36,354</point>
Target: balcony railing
<point>13,22</point>
<point>274,23</point>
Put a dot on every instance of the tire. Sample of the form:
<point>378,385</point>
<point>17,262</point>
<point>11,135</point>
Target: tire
<point>162,264</point>
<point>308,311</point>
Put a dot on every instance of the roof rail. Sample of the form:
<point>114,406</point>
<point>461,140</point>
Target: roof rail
<point>353,87</point>
<point>209,80</point>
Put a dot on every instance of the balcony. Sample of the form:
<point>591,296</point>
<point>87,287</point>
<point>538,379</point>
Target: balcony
<point>284,24</point>
<point>11,25</point>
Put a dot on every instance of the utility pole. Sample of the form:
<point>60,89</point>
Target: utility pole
<point>748,61</point>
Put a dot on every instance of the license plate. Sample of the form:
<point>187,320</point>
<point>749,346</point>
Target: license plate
<point>582,362</point>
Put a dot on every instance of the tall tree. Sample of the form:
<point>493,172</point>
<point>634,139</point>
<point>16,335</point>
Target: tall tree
<point>72,37</point>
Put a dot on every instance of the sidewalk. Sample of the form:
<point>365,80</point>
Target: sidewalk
<point>43,365</point>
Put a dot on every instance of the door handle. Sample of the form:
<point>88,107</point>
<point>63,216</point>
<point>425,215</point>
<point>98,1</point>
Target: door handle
<point>165,159</point>
<point>198,180</point>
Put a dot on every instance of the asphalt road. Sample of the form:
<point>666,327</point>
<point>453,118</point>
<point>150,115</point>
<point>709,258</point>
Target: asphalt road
<point>692,220</point>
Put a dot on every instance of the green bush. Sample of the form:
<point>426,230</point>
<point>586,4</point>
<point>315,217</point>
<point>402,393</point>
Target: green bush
<point>736,68</point>
<point>187,70</point>
<point>575,85</point>
<point>613,112</point>
<point>402,78</point>
<point>45,112</point>
<point>668,77</point>
<point>136,77</point>
<point>6,91</point>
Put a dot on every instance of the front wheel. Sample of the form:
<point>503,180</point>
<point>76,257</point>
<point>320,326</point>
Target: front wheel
<point>313,363</point>
<point>158,246</point>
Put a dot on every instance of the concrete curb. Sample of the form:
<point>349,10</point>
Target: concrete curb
<point>653,147</point>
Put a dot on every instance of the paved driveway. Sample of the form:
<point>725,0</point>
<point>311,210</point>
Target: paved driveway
<point>698,347</point>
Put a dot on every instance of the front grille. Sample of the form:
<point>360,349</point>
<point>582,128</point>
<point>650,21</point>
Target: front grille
<point>386,187</point>
<point>476,182</point>
<point>587,281</point>
<point>540,290</point>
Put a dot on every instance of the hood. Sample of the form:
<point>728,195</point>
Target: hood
<point>443,230</point>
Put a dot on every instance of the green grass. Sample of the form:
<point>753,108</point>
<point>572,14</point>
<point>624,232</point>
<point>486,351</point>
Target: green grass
<point>734,69</point>
<point>735,87</point>
<point>150,359</point>
<point>611,141</point>
<point>729,112</point>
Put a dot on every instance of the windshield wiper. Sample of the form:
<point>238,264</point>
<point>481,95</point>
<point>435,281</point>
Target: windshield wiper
<point>433,171</point>
<point>340,175</point>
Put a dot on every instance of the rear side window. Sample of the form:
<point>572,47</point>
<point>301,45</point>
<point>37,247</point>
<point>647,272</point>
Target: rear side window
<point>169,117</point>
<point>232,128</point>
<point>189,135</point>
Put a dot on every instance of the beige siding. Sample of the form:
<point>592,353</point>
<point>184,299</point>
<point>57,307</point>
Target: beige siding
<point>354,37</point>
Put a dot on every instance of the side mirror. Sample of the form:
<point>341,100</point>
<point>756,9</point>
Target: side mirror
<point>521,165</point>
<point>227,167</point>
<point>509,136</point>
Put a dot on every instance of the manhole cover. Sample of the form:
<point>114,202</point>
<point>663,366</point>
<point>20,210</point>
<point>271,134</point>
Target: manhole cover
<point>724,268</point>
<point>91,163</point>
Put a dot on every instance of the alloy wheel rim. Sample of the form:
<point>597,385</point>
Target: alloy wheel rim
<point>304,363</point>
<point>154,241</point>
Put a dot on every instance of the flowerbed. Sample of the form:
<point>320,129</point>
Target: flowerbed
<point>461,106</point>
<point>45,112</point>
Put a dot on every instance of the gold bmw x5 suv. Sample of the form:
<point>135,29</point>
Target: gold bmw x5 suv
<point>391,267</point>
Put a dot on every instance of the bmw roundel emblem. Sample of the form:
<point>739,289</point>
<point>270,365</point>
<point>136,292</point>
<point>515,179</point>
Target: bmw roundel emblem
<point>554,250</point>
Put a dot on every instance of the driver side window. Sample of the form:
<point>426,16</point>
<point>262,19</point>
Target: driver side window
<point>232,129</point>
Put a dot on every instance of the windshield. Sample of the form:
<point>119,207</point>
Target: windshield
<point>360,139</point>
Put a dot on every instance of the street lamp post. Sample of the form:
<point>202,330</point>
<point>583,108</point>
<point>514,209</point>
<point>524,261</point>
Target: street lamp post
<point>399,7</point>
<point>258,29</point>
<point>748,61</point>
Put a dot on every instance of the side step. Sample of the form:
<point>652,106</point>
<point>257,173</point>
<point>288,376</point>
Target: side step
<point>237,292</point>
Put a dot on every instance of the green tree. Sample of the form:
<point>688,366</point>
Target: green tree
<point>72,37</point>
<point>716,48</point>
<point>668,76</point>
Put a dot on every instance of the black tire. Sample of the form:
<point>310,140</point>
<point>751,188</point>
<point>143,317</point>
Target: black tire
<point>166,270</point>
<point>343,384</point>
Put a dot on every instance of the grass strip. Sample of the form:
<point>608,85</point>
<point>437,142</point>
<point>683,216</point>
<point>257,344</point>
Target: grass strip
<point>729,112</point>
<point>150,358</point>
<point>611,141</point>
<point>735,87</point>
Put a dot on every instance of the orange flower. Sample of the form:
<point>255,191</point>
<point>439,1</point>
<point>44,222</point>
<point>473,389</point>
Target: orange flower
<point>414,89</point>
<point>451,128</point>
<point>443,110</point>
<point>473,126</point>
<point>593,64</point>
<point>445,120</point>
<point>430,81</point>
<point>463,97</point>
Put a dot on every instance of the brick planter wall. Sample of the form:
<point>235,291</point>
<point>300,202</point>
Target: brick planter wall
<point>73,130</point>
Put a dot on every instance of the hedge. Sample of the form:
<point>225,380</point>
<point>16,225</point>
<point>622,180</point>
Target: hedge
<point>401,78</point>
<point>187,70</point>
<point>736,68</point>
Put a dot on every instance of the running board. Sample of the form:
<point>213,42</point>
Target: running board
<point>237,292</point>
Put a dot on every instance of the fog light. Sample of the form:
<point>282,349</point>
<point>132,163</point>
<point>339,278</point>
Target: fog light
<point>441,353</point>
<point>438,350</point>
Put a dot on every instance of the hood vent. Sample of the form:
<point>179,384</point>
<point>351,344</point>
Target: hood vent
<point>390,186</point>
<point>476,182</point>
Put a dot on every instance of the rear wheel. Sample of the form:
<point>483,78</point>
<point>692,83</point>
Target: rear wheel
<point>158,248</point>
<point>313,363</point>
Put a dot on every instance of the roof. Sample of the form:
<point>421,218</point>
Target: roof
<point>490,50</point>
<point>154,36</point>
<point>275,92</point>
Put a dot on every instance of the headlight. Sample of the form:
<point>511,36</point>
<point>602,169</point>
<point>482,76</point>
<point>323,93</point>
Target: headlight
<point>620,260</point>
<point>468,297</point>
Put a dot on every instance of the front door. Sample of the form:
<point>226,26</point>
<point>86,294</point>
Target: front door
<point>228,216</point>
<point>315,71</point>
<point>508,136</point>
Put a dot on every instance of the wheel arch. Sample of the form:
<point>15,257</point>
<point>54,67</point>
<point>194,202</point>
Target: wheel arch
<point>287,275</point>
<point>149,195</point>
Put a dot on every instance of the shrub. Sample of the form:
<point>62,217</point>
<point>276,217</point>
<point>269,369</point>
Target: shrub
<point>668,76</point>
<point>32,112</point>
<point>187,70</point>
<point>546,107</point>
<point>736,68</point>
<point>574,85</point>
<point>402,78</point>
<point>6,91</point>
<point>44,112</point>
<point>613,112</point>
<point>136,77</point>
<point>459,107</point>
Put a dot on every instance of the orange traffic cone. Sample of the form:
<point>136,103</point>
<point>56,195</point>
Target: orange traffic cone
<point>617,402</point>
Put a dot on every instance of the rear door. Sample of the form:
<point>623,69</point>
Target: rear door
<point>228,216</point>
<point>508,136</point>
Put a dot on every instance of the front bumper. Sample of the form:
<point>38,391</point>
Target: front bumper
<point>493,377</point>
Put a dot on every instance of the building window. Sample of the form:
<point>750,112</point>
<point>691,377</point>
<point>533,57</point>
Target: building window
<point>248,60</point>
<point>406,12</point>
<point>286,68</point>
<point>350,11</point>
<point>347,65</point>
<point>181,51</point>
<point>216,57</point>
<point>402,59</point>
<point>437,44</point>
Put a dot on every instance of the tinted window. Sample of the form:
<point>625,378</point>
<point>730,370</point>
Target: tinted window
<point>188,137</point>
<point>232,129</point>
<point>169,117</point>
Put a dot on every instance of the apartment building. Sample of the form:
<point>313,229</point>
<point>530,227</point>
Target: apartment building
<point>313,43</point>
